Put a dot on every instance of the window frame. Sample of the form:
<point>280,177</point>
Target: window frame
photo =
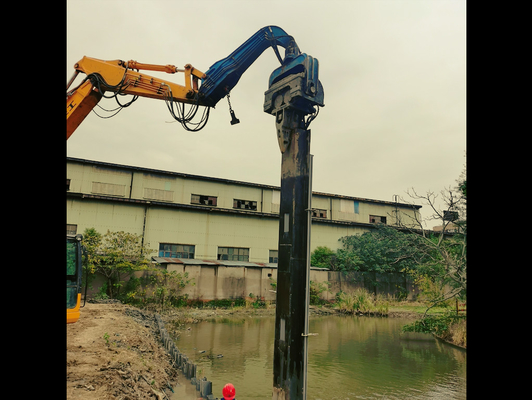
<point>250,205</point>
<point>319,213</point>
<point>204,200</point>
<point>230,255</point>
<point>381,221</point>
<point>176,252</point>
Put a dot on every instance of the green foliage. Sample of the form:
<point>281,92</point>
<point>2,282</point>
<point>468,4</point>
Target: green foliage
<point>322,257</point>
<point>439,325</point>
<point>442,275</point>
<point>91,241</point>
<point>217,303</point>
<point>437,262</point>
<point>463,187</point>
<point>383,249</point>
<point>102,292</point>
<point>341,260</point>
<point>254,301</point>
<point>431,288</point>
<point>316,289</point>
<point>347,261</point>
<point>157,286</point>
<point>115,255</point>
<point>224,303</point>
<point>442,272</point>
<point>361,301</point>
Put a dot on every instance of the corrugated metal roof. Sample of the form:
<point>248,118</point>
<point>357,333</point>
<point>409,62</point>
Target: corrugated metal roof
<point>168,173</point>
<point>228,263</point>
<point>231,181</point>
<point>188,261</point>
<point>224,263</point>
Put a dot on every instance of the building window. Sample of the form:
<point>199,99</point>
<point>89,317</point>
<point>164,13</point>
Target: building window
<point>318,213</point>
<point>245,204</point>
<point>233,254</point>
<point>203,200</point>
<point>72,229</point>
<point>176,250</point>
<point>68,184</point>
<point>376,219</point>
<point>274,256</point>
<point>356,206</point>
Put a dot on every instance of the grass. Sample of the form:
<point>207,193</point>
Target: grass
<point>362,301</point>
<point>447,326</point>
<point>458,333</point>
<point>415,307</point>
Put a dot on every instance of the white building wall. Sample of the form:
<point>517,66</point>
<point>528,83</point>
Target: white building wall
<point>207,230</point>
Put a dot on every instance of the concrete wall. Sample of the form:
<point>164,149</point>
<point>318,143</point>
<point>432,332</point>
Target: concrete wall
<point>217,280</point>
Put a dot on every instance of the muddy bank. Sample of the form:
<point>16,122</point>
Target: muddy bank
<point>113,352</point>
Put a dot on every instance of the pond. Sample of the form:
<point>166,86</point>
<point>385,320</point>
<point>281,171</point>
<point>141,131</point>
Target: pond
<point>352,357</point>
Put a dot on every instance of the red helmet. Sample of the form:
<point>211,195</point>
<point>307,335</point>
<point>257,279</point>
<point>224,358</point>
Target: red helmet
<point>229,391</point>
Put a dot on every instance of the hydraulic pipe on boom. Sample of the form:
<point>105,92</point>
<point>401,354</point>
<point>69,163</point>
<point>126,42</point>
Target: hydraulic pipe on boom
<point>124,78</point>
<point>199,89</point>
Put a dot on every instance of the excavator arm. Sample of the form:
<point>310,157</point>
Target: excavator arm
<point>199,89</point>
<point>125,78</point>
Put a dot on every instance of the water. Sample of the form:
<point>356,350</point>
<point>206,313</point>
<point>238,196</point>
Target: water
<point>351,358</point>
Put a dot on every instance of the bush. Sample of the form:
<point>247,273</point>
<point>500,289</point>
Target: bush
<point>158,287</point>
<point>346,302</point>
<point>361,301</point>
<point>322,257</point>
<point>116,256</point>
<point>458,332</point>
<point>441,325</point>
<point>254,301</point>
<point>316,289</point>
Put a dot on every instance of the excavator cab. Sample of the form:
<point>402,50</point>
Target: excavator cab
<point>74,269</point>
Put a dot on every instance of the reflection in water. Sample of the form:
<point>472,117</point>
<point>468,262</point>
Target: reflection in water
<point>351,358</point>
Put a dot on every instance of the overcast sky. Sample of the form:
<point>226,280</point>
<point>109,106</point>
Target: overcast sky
<point>393,73</point>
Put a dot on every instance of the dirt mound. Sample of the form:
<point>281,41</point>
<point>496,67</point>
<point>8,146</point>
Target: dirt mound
<point>113,352</point>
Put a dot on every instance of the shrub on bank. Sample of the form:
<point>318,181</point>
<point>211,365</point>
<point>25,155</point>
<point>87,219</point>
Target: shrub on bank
<point>450,327</point>
<point>362,301</point>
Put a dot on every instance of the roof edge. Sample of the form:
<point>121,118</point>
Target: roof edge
<point>232,181</point>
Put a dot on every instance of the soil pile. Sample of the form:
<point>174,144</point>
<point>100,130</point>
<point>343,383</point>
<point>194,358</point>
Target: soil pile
<point>114,352</point>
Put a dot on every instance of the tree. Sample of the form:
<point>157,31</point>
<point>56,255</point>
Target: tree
<point>341,260</point>
<point>91,241</point>
<point>322,257</point>
<point>158,286</point>
<point>444,269</point>
<point>115,255</point>
<point>383,249</point>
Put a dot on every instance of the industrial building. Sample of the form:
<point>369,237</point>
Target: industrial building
<point>187,216</point>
